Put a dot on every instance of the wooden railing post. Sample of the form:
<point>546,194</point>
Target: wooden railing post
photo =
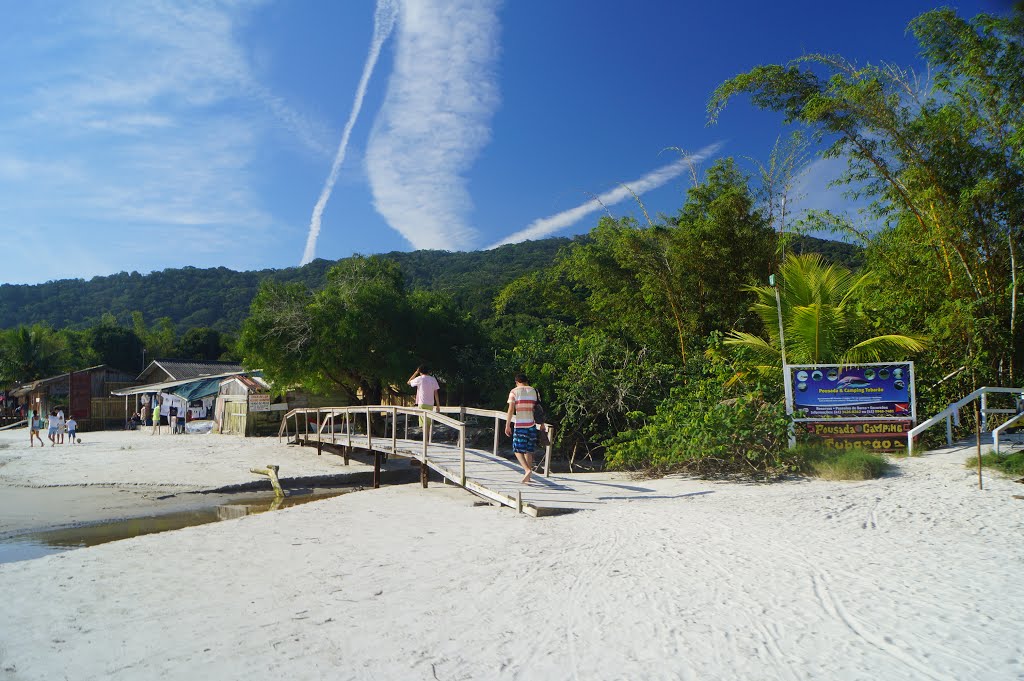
<point>348,429</point>
<point>423,420</point>
<point>319,433</point>
<point>334,427</point>
<point>394,430</point>
<point>462,454</point>
<point>369,431</point>
<point>497,426</point>
<point>547,451</point>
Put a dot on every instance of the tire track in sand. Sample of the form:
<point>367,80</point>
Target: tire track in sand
<point>834,607</point>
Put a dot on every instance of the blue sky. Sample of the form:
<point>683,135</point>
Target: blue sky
<point>149,134</point>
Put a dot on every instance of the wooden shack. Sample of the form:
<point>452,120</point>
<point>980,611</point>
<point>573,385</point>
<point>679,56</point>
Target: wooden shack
<point>84,394</point>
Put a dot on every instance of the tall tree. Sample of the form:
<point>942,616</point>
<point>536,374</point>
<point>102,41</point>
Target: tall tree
<point>944,167</point>
<point>117,346</point>
<point>362,333</point>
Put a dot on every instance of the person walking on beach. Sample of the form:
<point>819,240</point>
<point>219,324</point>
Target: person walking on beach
<point>427,392</point>
<point>172,414</point>
<point>144,413</point>
<point>520,425</point>
<point>51,433</point>
<point>72,425</point>
<point>60,426</point>
<point>157,400</point>
<point>33,429</point>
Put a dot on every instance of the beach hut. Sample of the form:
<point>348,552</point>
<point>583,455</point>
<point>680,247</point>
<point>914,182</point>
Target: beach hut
<point>84,394</point>
<point>245,406</point>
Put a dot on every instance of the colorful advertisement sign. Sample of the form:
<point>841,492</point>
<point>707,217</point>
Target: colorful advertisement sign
<point>853,391</point>
<point>878,436</point>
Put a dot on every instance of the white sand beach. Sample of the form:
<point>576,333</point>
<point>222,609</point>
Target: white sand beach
<point>915,576</point>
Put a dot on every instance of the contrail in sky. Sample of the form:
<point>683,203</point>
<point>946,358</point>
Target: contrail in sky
<point>383,22</point>
<point>652,180</point>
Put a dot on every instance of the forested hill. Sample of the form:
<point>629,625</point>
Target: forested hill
<point>219,297</point>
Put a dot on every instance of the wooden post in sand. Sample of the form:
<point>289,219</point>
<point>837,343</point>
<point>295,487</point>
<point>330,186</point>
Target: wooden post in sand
<point>271,472</point>
<point>376,469</point>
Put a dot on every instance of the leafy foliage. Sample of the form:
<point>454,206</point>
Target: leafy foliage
<point>1009,464</point>
<point>822,320</point>
<point>944,168</point>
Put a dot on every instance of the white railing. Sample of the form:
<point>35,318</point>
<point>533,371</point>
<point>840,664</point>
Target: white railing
<point>998,430</point>
<point>429,418</point>
<point>951,414</point>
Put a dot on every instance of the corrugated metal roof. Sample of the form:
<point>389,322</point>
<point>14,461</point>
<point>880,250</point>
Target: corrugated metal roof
<point>39,383</point>
<point>165,386</point>
<point>182,369</point>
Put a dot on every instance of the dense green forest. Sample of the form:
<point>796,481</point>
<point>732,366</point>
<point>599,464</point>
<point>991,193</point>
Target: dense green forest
<point>219,298</point>
<point>656,344</point>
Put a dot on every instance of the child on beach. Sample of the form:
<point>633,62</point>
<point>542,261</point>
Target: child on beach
<point>33,429</point>
<point>72,425</point>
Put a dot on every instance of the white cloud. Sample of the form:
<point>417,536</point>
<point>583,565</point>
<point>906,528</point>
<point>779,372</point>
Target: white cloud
<point>435,119</point>
<point>142,121</point>
<point>543,227</point>
<point>383,23</point>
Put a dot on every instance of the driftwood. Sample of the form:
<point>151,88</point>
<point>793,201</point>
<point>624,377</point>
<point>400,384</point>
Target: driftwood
<point>271,472</point>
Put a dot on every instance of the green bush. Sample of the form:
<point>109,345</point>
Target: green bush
<point>840,464</point>
<point>698,430</point>
<point>1011,464</point>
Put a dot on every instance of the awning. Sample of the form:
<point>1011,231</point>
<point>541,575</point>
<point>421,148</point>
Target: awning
<point>195,390</point>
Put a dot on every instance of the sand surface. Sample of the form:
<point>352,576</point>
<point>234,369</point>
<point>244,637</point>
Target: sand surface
<point>915,576</point>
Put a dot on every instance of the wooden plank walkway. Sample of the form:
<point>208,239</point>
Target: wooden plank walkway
<point>490,476</point>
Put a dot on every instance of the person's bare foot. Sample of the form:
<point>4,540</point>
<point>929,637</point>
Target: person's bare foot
<point>526,478</point>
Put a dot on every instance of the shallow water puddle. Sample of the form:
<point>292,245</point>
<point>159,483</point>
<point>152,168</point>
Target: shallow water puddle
<point>38,544</point>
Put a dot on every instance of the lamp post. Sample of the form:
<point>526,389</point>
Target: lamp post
<point>786,378</point>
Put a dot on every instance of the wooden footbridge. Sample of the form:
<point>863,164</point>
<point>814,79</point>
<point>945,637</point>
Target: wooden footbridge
<point>459,443</point>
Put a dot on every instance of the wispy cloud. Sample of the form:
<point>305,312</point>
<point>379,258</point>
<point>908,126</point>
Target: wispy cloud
<point>435,119</point>
<point>543,227</point>
<point>383,22</point>
<point>145,115</point>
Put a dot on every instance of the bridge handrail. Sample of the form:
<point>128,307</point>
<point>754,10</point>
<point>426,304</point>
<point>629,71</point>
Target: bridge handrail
<point>430,414</point>
<point>952,412</point>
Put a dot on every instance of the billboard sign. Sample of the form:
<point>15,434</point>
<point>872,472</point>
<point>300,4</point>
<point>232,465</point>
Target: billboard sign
<point>877,436</point>
<point>853,391</point>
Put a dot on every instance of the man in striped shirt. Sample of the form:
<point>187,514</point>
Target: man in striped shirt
<point>520,425</point>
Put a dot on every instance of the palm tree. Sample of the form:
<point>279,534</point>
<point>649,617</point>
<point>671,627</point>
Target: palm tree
<point>823,323</point>
<point>28,353</point>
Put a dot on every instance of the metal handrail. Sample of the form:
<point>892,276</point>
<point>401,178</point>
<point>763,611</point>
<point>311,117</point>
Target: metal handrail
<point>998,430</point>
<point>951,414</point>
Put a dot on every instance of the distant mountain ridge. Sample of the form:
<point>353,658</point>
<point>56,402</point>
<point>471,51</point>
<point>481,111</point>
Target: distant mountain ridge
<point>219,298</point>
